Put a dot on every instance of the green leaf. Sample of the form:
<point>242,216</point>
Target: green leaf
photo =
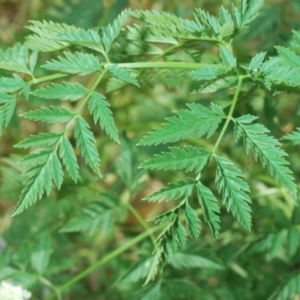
<point>10,85</point>
<point>40,256</point>
<point>209,21</point>
<point>92,219</point>
<point>110,32</point>
<point>89,38</point>
<point>249,11</point>
<point>85,141</point>
<point>293,241</point>
<point>168,242</point>
<point>173,191</point>
<point>293,137</point>
<point>15,59</point>
<point>289,57</point>
<point>188,261</point>
<point>137,272</point>
<point>122,74</point>
<point>193,123</point>
<point>289,289</point>
<point>257,61</point>
<point>267,149</point>
<point>50,115</point>
<point>227,57</point>
<point>39,180</point>
<point>189,158</point>
<point>56,170</point>
<point>42,40</point>
<point>66,91</point>
<point>101,112</point>
<point>207,73</point>
<point>210,207</point>
<point>41,140</point>
<point>192,221</point>
<point>78,63</point>
<point>233,188</point>
<point>9,106</point>
<point>170,26</point>
<point>69,159</point>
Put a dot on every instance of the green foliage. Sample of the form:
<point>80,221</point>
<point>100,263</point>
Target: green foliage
<point>185,187</point>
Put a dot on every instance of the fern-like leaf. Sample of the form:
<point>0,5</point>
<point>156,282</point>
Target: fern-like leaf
<point>86,143</point>
<point>193,123</point>
<point>45,32</point>
<point>50,115</point>
<point>41,140</point>
<point>86,38</point>
<point>168,242</point>
<point>10,85</point>
<point>8,106</point>
<point>293,137</point>
<point>110,32</point>
<point>192,221</point>
<point>39,181</point>
<point>66,91</point>
<point>288,290</point>
<point>15,59</point>
<point>210,207</point>
<point>189,158</point>
<point>173,191</point>
<point>234,188</point>
<point>207,73</point>
<point>122,74</point>
<point>99,107</point>
<point>267,149</point>
<point>227,57</point>
<point>69,159</point>
<point>78,63</point>
<point>182,260</point>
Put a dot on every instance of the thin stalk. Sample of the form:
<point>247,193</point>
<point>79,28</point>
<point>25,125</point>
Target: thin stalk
<point>107,258</point>
<point>47,78</point>
<point>163,65</point>
<point>141,221</point>
<point>229,116</point>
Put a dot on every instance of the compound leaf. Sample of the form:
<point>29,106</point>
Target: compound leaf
<point>189,158</point>
<point>193,123</point>
<point>192,221</point>
<point>267,149</point>
<point>122,74</point>
<point>173,191</point>
<point>41,140</point>
<point>50,115</point>
<point>293,137</point>
<point>15,59</point>
<point>227,57</point>
<point>233,188</point>
<point>111,31</point>
<point>66,91</point>
<point>10,85</point>
<point>85,141</point>
<point>210,207</point>
<point>68,158</point>
<point>99,107</point>
<point>78,63</point>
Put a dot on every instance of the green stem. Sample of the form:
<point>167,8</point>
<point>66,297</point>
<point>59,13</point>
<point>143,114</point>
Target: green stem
<point>141,221</point>
<point>107,258</point>
<point>91,92</point>
<point>47,78</point>
<point>229,116</point>
<point>50,285</point>
<point>163,65</point>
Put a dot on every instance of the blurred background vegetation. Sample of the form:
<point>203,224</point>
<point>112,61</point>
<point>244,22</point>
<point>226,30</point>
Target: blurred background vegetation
<point>149,106</point>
